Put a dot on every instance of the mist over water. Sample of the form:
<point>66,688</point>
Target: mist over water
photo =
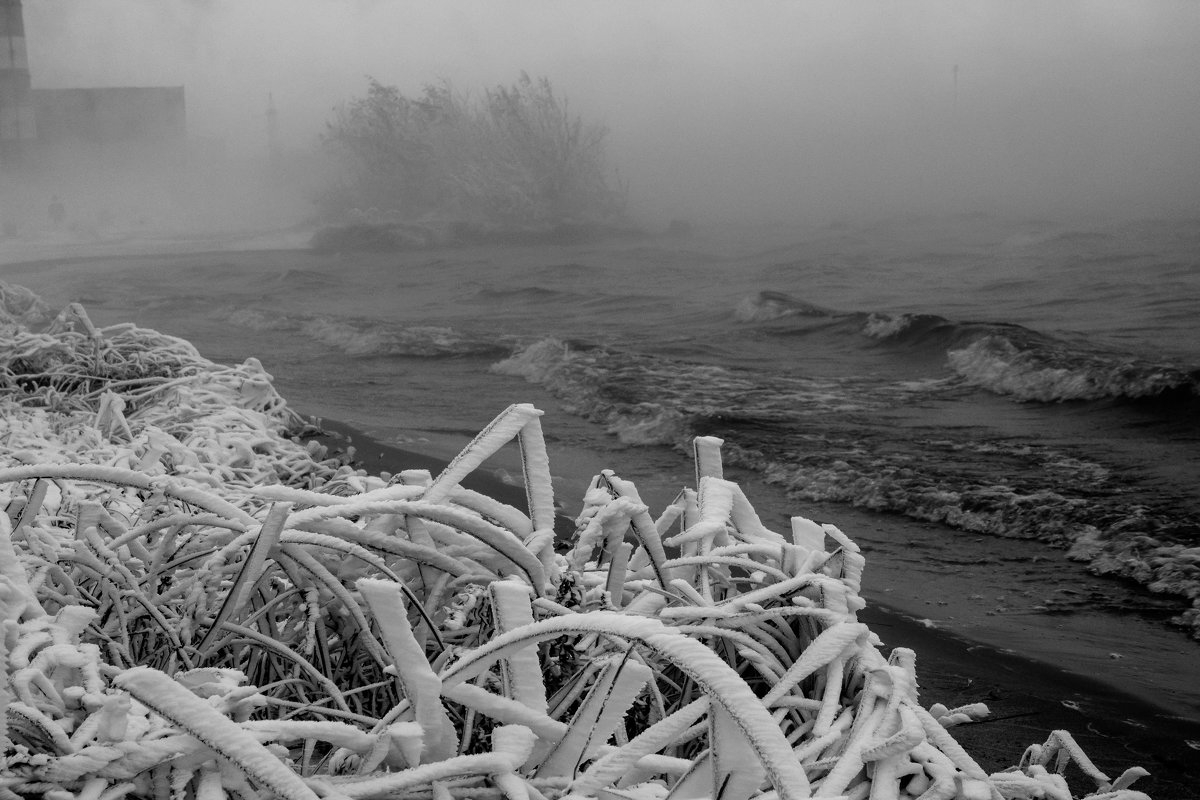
<point>717,111</point>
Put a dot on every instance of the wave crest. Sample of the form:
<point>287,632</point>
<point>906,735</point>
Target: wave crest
<point>255,319</point>
<point>365,339</point>
<point>1049,373</point>
<point>1004,358</point>
<point>599,386</point>
<point>766,306</point>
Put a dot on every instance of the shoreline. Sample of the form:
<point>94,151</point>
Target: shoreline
<point>1027,698</point>
<point>934,577</point>
<point>31,250</point>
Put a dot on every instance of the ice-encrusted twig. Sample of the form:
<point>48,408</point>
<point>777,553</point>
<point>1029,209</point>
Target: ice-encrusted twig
<point>718,681</point>
<point>422,687</point>
<point>225,738</point>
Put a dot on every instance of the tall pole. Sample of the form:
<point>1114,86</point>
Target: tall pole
<point>274,148</point>
<point>16,110</point>
<point>956,88</point>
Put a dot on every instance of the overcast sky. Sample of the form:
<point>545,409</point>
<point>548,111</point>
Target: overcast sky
<point>746,108</point>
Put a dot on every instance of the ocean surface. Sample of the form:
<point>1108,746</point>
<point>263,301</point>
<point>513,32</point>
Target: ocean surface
<point>1027,391</point>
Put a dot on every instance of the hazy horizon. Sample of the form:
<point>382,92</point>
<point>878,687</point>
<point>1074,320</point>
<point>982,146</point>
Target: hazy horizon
<point>760,110</point>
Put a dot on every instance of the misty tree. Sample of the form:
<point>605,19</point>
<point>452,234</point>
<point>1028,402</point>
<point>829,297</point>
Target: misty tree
<point>515,155</point>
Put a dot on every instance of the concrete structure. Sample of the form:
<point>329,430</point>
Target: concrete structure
<point>41,126</point>
<point>18,127</point>
<point>105,121</point>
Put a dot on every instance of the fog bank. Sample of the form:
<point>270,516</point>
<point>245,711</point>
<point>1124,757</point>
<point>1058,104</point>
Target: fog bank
<point>757,110</point>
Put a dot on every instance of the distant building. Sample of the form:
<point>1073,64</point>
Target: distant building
<point>97,124</point>
<point>18,127</point>
<point>106,122</point>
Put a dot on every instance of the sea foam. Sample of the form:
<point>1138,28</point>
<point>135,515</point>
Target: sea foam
<point>1056,374</point>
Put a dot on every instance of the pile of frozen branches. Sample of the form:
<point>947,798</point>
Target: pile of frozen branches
<point>192,605</point>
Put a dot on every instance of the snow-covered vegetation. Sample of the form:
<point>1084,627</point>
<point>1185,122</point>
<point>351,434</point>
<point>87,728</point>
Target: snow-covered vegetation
<point>196,604</point>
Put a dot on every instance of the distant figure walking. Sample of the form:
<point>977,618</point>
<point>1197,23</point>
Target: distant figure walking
<point>57,212</point>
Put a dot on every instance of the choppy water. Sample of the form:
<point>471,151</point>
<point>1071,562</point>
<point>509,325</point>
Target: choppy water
<point>1025,380</point>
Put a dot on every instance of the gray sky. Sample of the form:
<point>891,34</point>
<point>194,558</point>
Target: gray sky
<point>749,108</point>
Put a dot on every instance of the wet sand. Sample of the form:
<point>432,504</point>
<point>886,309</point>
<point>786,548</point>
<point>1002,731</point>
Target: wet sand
<point>1028,698</point>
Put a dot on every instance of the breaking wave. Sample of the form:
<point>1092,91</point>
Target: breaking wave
<point>592,384</point>
<point>1002,358</point>
<point>808,437</point>
<point>768,306</point>
<point>369,338</point>
<point>650,399</point>
<point>1053,373</point>
<point>255,319</point>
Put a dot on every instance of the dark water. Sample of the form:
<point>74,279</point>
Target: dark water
<point>1020,380</point>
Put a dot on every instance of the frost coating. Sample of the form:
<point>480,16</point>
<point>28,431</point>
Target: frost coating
<point>227,739</point>
<point>142,488</point>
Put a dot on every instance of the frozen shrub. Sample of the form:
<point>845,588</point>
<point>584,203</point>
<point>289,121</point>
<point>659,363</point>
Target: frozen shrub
<point>514,156</point>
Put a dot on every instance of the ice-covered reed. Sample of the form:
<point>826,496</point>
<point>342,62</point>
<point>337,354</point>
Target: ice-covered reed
<point>193,604</point>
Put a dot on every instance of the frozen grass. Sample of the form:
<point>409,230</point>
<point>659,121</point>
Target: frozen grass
<point>193,605</point>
